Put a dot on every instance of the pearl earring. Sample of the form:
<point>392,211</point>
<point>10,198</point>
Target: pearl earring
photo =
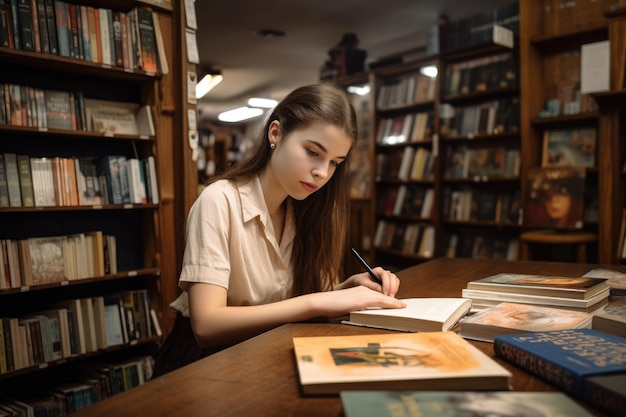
<point>272,146</point>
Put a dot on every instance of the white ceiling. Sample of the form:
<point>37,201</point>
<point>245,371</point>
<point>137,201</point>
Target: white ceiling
<point>270,67</point>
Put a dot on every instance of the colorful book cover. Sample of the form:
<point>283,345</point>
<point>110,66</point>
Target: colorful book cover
<point>564,358</point>
<point>459,404</point>
<point>427,360</point>
<point>555,198</point>
<point>510,318</point>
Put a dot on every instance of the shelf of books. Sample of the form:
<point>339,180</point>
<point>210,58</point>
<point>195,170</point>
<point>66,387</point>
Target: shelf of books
<point>571,153</point>
<point>80,200</point>
<point>359,87</point>
<point>479,129</point>
<point>405,157</point>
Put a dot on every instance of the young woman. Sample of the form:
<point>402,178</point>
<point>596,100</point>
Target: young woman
<point>265,240</point>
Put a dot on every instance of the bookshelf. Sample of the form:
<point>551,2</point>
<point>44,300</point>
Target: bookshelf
<point>405,163</point>
<point>550,48</point>
<point>143,260</point>
<point>480,151</point>
<point>361,230</point>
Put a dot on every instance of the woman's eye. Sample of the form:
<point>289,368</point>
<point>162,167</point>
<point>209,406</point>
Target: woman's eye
<point>312,152</point>
<point>335,163</point>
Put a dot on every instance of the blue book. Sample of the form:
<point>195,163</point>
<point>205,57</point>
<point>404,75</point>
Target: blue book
<point>564,358</point>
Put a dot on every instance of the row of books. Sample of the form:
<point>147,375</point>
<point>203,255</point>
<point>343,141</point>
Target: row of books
<point>407,164</point>
<point>481,205</point>
<point>482,74</point>
<point>462,161</point>
<point>27,106</point>
<point>410,127</point>
<point>408,238</point>
<point>487,118</point>
<point>406,200</point>
<point>46,260</point>
<point>481,246</point>
<point>76,327</point>
<point>95,382</point>
<point>477,29</point>
<point>131,40</point>
<point>417,88</point>
<point>27,181</point>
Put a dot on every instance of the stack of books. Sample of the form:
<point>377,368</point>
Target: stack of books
<point>572,293</point>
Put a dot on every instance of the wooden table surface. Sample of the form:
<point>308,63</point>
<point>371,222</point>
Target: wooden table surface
<point>258,377</point>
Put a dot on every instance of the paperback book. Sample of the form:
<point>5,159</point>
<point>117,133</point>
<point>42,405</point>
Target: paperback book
<point>419,315</point>
<point>544,285</point>
<point>511,318</point>
<point>398,361</point>
<point>459,404</point>
<point>564,358</point>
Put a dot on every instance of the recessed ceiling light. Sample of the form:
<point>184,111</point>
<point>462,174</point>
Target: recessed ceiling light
<point>239,114</point>
<point>265,103</point>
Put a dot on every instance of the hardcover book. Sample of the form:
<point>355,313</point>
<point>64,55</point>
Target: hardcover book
<point>511,318</point>
<point>564,358</point>
<point>399,361</point>
<point>419,315</point>
<point>546,285</point>
<point>569,147</point>
<point>459,404</point>
<point>608,393</point>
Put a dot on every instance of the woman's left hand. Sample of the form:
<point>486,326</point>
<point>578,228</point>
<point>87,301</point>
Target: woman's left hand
<point>390,286</point>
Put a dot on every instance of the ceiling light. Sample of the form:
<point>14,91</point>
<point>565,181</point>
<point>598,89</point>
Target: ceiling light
<point>207,83</point>
<point>239,114</point>
<point>361,90</point>
<point>429,71</point>
<point>264,103</point>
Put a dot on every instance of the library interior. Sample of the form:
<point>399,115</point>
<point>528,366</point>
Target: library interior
<point>484,182</point>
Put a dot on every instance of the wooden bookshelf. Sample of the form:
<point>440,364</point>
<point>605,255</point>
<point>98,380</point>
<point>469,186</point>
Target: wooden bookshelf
<point>548,33</point>
<point>148,239</point>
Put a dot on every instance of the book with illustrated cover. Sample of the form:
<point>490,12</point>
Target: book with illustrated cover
<point>546,285</point>
<point>555,198</point>
<point>615,279</point>
<point>409,361</point>
<point>569,147</point>
<point>419,315</point>
<point>611,318</point>
<point>564,358</point>
<point>47,256</point>
<point>459,404</point>
<point>511,318</point>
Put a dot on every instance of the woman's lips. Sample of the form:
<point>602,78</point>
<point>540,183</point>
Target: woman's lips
<point>308,186</point>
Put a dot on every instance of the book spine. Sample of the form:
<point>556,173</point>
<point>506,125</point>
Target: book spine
<point>62,27</point>
<point>541,367</point>
<point>4,186</point>
<point>26,25</point>
<point>52,28</point>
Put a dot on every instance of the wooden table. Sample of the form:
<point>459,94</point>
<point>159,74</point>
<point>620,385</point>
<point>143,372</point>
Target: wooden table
<point>258,377</point>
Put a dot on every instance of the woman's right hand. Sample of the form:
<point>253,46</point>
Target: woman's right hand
<point>332,304</point>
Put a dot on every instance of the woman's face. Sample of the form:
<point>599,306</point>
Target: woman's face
<point>306,159</point>
<point>558,205</point>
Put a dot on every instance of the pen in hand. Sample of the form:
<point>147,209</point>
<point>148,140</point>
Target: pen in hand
<point>369,270</point>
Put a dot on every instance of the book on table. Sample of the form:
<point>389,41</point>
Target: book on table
<point>482,299</point>
<point>611,318</point>
<point>608,393</point>
<point>459,404</point>
<point>409,361</point>
<point>419,315</point>
<point>511,318</point>
<point>544,285</point>
<point>564,358</point>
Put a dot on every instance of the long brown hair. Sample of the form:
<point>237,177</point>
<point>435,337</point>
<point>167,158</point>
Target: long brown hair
<point>321,218</point>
